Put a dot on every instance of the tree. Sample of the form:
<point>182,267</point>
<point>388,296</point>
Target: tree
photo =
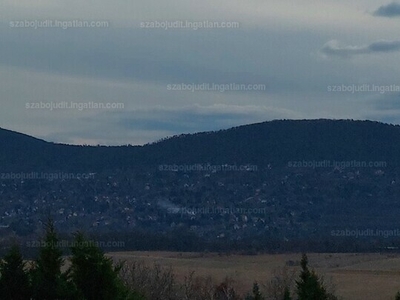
<point>14,280</point>
<point>225,290</point>
<point>281,283</point>
<point>286,295</point>
<point>310,286</point>
<point>94,274</point>
<point>397,296</point>
<point>48,282</point>
<point>256,292</point>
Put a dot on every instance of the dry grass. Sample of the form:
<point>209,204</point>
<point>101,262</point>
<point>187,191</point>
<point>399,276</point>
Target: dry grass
<point>356,276</point>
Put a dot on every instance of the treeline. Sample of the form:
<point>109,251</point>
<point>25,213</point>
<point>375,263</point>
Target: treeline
<point>181,240</point>
<point>89,275</point>
<point>160,284</point>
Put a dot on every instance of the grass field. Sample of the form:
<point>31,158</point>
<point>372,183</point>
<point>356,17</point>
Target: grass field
<point>356,276</point>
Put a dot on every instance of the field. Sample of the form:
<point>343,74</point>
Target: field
<point>355,276</point>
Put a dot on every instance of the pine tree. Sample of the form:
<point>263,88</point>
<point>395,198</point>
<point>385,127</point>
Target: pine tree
<point>47,279</point>
<point>14,280</point>
<point>286,294</point>
<point>309,287</point>
<point>397,296</point>
<point>94,274</point>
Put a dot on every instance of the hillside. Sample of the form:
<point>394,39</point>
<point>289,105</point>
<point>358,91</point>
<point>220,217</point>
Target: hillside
<point>248,188</point>
<point>270,142</point>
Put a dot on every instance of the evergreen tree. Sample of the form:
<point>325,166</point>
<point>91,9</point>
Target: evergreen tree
<point>397,296</point>
<point>286,294</point>
<point>47,279</point>
<point>94,274</point>
<point>309,287</point>
<point>14,280</point>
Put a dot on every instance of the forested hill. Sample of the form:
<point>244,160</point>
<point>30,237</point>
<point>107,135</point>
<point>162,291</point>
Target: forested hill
<point>267,199</point>
<point>275,142</point>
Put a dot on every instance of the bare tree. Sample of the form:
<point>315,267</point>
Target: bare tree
<point>154,282</point>
<point>282,279</point>
<point>198,288</point>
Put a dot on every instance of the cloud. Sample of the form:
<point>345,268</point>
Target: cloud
<point>332,48</point>
<point>384,107</point>
<point>390,11</point>
<point>389,102</point>
<point>142,55</point>
<point>141,126</point>
<point>253,13</point>
<point>196,118</point>
<point>126,64</point>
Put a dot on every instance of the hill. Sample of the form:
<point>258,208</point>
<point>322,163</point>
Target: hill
<point>276,185</point>
<point>274,142</point>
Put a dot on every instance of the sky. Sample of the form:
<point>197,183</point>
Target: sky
<point>133,72</point>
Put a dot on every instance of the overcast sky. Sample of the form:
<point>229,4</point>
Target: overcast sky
<point>298,55</point>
